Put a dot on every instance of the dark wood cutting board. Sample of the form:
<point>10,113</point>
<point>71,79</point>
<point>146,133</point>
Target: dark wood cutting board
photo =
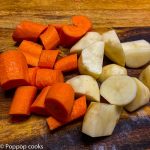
<point>132,131</point>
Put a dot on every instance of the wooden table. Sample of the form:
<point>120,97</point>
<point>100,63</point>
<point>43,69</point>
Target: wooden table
<point>131,19</point>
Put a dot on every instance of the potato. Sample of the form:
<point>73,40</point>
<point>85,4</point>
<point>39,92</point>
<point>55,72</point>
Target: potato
<point>85,85</point>
<point>100,119</point>
<point>145,76</point>
<point>85,41</point>
<point>111,70</point>
<point>91,60</point>
<point>137,53</point>
<point>113,48</point>
<point>142,97</point>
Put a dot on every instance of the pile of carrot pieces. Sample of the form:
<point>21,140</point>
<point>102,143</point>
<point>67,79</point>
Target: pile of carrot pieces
<point>36,66</point>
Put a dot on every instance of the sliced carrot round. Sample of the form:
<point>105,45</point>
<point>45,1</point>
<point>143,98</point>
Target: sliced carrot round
<point>59,101</point>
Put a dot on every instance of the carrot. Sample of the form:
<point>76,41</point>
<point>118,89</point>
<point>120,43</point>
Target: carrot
<point>59,101</point>
<point>32,75</point>
<point>13,69</point>
<point>22,100</point>
<point>38,107</point>
<point>48,58</point>
<point>50,38</point>
<point>31,51</point>
<point>58,27</point>
<point>47,77</point>
<point>28,30</point>
<point>79,109</point>
<point>72,33</point>
<point>67,63</point>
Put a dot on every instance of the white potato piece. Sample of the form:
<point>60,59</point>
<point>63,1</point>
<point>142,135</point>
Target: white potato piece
<point>119,90</point>
<point>111,70</point>
<point>91,60</point>
<point>145,76</point>
<point>137,53</point>
<point>85,41</point>
<point>85,85</point>
<point>113,47</point>
<point>142,97</point>
<point>100,119</point>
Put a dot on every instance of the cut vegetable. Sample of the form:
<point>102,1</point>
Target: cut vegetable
<point>100,119</point>
<point>145,76</point>
<point>119,90</point>
<point>13,69</point>
<point>47,77</point>
<point>113,47</point>
<point>50,38</point>
<point>48,58</point>
<point>85,42</point>
<point>137,53</point>
<point>85,85</point>
<point>59,101</point>
<point>142,97</point>
<point>67,63</point>
<point>38,107</point>
<point>72,33</point>
<point>28,30</point>
<point>78,110</point>
<point>22,100</point>
<point>31,51</point>
<point>111,70</point>
<point>32,75</point>
<point>91,60</point>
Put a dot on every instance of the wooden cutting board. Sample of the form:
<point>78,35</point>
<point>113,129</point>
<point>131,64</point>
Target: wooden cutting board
<point>131,21</point>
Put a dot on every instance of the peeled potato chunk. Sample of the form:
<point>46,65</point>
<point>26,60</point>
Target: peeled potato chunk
<point>137,53</point>
<point>91,60</point>
<point>85,85</point>
<point>111,70</point>
<point>85,41</point>
<point>145,76</point>
<point>119,90</point>
<point>142,97</point>
<point>100,119</point>
<point>113,47</point>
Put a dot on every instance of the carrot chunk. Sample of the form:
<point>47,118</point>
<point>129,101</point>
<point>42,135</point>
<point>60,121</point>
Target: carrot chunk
<point>32,75</point>
<point>28,30</point>
<point>50,38</point>
<point>47,77</point>
<point>48,58</point>
<point>67,63</point>
<point>31,51</point>
<point>79,109</point>
<point>72,33</point>
<point>59,101</point>
<point>38,107</point>
<point>22,100</point>
<point>13,69</point>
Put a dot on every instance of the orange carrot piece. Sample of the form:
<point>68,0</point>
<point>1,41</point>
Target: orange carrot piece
<point>50,38</point>
<point>79,109</point>
<point>58,27</point>
<point>38,106</point>
<point>59,101</point>
<point>32,75</point>
<point>22,100</point>
<point>67,63</point>
<point>72,33</point>
<point>31,51</point>
<point>48,58</point>
<point>47,77</point>
<point>13,69</point>
<point>28,30</point>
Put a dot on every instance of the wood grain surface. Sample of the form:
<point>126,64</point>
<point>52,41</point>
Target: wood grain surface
<point>131,21</point>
